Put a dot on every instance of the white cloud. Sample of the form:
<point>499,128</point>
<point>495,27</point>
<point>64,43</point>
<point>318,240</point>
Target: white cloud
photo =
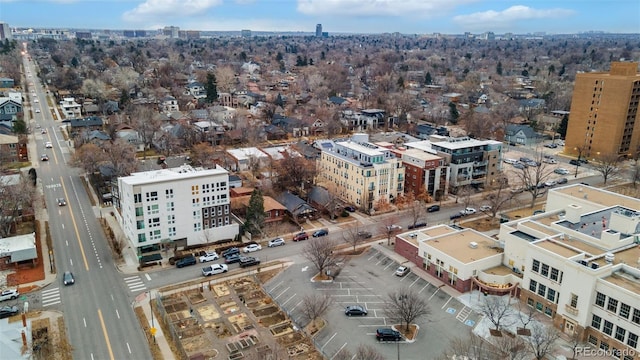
<point>161,8</point>
<point>415,8</point>
<point>506,18</point>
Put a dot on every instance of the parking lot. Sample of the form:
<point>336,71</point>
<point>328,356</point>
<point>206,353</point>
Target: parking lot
<point>365,280</point>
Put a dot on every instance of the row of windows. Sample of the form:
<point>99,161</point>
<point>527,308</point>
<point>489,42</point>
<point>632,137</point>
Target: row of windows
<point>604,346</point>
<point>545,270</point>
<point>621,334</point>
<point>544,291</point>
<point>617,307</point>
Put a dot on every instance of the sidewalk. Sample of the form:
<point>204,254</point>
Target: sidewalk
<point>145,302</point>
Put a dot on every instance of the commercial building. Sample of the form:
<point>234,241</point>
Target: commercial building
<point>361,173</point>
<point>604,113</point>
<point>180,206</point>
<point>319,30</point>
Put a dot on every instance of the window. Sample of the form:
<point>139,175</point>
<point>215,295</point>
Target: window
<point>604,346</point>
<point>592,340</point>
<point>536,266</point>
<point>636,316</point>
<point>632,340</point>
<point>171,219</point>
<point>554,274</point>
<point>155,235</point>
<point>596,321</point>
<point>530,302</point>
<point>612,305</point>
<point>542,289</point>
<point>153,209</point>
<point>548,311</point>
<point>625,310</point>
<point>139,211</point>
<point>195,190</point>
<point>620,333</point>
<point>607,328</point>
<point>152,196</point>
<point>169,193</point>
<point>142,238</point>
<point>137,198</point>
<point>155,222</point>
<point>197,227</point>
<point>140,224</point>
<point>600,297</point>
<point>196,215</point>
<point>551,295</point>
<point>170,206</point>
<point>574,301</point>
<point>544,270</point>
<point>172,231</point>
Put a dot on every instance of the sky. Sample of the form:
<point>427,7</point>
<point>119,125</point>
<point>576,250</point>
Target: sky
<point>336,16</point>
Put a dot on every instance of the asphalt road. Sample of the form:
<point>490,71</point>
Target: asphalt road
<point>97,309</point>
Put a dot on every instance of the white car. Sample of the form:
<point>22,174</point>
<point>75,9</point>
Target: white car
<point>214,269</point>
<point>510,161</point>
<point>561,171</point>
<point>9,294</point>
<point>394,227</point>
<point>550,183</point>
<point>38,111</point>
<point>550,161</point>
<point>36,101</point>
<point>209,256</point>
<point>468,211</point>
<point>48,145</point>
<point>276,242</point>
<point>485,208</point>
<point>251,248</point>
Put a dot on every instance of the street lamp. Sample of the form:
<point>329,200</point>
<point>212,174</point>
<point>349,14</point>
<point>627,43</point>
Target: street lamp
<point>402,298</point>
<point>577,162</point>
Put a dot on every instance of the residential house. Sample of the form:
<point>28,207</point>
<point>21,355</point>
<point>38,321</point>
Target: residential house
<point>364,174</point>
<point>151,207</point>
<point>13,149</point>
<point>307,150</point>
<point>9,109</point>
<point>70,108</point>
<point>320,198</point>
<point>131,136</point>
<point>95,136</point>
<point>424,131</point>
<point>196,89</point>
<point>244,159</point>
<point>235,181</point>
<point>16,250</point>
<point>169,104</point>
<point>273,210</point>
<point>211,130</point>
<point>84,125</point>
<point>363,119</point>
<point>296,208</point>
<point>522,135</point>
<point>6,83</point>
<point>90,109</point>
<point>533,104</point>
<point>227,99</point>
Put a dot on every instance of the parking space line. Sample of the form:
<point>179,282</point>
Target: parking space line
<point>434,293</point>
<point>275,287</point>
<point>386,267</point>
<point>372,256</point>
<point>286,301</point>
<point>295,306</point>
<point>381,260</point>
<point>445,304</point>
<point>424,287</point>
<point>282,293</point>
<point>325,344</point>
<point>338,352</point>
<point>414,281</point>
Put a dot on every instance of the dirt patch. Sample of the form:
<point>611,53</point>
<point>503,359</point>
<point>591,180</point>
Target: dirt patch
<point>276,318</point>
<point>153,346</point>
<point>269,310</point>
<point>409,334</point>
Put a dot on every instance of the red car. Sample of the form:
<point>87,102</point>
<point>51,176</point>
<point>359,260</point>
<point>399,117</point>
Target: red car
<point>301,236</point>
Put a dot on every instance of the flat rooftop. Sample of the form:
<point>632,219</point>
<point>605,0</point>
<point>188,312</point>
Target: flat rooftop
<point>173,174</point>
<point>557,248</point>
<point>598,196</point>
<point>374,150</point>
<point>417,236</point>
<point>594,223</point>
<point>457,245</point>
<point>624,280</point>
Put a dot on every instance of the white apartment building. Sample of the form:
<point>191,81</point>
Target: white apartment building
<point>70,108</point>
<point>361,173</point>
<point>185,206</point>
<point>580,265</point>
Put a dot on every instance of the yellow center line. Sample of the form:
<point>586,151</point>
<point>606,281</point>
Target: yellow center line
<point>75,226</point>
<point>106,336</point>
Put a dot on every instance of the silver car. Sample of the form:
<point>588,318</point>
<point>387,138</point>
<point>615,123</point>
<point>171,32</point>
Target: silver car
<point>276,242</point>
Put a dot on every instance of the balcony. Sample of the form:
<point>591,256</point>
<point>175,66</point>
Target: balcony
<point>570,309</point>
<point>480,163</point>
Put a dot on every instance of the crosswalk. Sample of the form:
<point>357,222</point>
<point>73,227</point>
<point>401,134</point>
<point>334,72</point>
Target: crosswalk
<point>135,283</point>
<point>51,297</point>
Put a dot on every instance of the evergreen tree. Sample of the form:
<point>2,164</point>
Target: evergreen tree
<point>562,70</point>
<point>499,68</point>
<point>212,88</point>
<point>562,128</point>
<point>124,98</point>
<point>427,79</point>
<point>254,221</point>
<point>279,100</point>
<point>453,113</point>
<point>19,127</point>
<point>400,82</point>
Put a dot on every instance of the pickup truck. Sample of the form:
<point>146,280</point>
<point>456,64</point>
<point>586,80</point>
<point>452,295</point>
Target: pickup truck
<point>9,294</point>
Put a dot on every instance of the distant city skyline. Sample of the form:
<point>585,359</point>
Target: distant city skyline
<point>336,16</point>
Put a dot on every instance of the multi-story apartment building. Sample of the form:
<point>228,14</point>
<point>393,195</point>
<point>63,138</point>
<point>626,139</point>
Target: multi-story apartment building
<point>472,162</point>
<point>361,173</point>
<point>604,113</point>
<point>183,206</point>
<point>424,172</point>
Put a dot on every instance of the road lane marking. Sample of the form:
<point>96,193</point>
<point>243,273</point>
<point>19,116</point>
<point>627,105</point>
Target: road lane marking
<point>424,287</point>
<point>106,336</point>
<point>84,320</point>
<point>129,348</point>
<point>148,277</point>
<point>117,314</point>
<point>75,226</point>
<point>416,280</point>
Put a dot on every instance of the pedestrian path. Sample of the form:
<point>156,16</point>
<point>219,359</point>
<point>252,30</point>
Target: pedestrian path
<point>51,297</point>
<point>135,283</point>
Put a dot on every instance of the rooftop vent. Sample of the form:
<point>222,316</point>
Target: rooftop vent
<point>473,245</point>
<point>609,257</point>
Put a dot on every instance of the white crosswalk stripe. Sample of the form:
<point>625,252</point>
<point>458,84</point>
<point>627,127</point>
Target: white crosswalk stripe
<point>135,283</point>
<point>51,297</point>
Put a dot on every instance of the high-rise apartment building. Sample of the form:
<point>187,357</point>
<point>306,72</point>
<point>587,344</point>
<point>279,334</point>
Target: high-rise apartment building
<point>319,30</point>
<point>604,113</point>
<point>5,31</point>
<point>182,206</point>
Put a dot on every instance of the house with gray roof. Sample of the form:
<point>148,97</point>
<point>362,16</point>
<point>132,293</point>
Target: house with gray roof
<point>297,208</point>
<point>522,135</point>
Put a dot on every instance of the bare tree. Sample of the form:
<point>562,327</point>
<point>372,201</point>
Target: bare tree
<point>293,171</point>
<point>497,311</point>
<point>202,154</point>
<point>17,199</point>
<point>534,177</point>
<point>575,340</point>
<point>581,150</point>
<point>525,314</point>
<point>542,340</point>
<point>314,306</point>
<point>88,157</point>
<point>470,346</point>
<point>352,236</point>
<point>635,173</point>
<point>607,165</point>
<point>498,196</point>
<point>121,157</point>
<point>388,227</point>
<point>320,252</point>
<point>511,348</point>
<point>147,125</point>
<point>406,306</point>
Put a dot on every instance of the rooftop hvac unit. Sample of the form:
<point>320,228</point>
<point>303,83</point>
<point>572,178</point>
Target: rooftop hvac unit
<point>609,257</point>
<point>473,245</point>
<point>583,262</point>
<point>594,265</point>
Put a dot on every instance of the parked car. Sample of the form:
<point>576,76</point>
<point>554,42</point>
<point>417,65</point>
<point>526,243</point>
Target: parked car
<point>186,261</point>
<point>276,242</point>
<point>384,334</point>
<point>517,190</point>
<point>214,269</point>
<point>321,232</point>
<point>551,146</point>
<point>549,161</point>
<point>8,311</point>
<point>561,171</point>
<point>402,271</point>
<point>43,131</point>
<point>455,216</point>
<point>433,208</point>
<point>68,279</point>
<point>394,227</point>
<point>61,202</point>
<point>44,157</point>
<point>550,183</point>
<point>468,211</point>
<point>38,111</point>
<point>417,225</point>
<point>356,310</point>
<point>364,234</point>
<point>234,258</point>
<point>519,165</point>
<point>485,208</point>
<point>350,208</point>
<point>562,181</point>
<point>249,261</point>
<point>574,162</point>
<point>209,256</point>
<point>300,236</point>
<point>510,161</point>
<point>251,248</point>
<point>9,294</point>
<point>230,251</point>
